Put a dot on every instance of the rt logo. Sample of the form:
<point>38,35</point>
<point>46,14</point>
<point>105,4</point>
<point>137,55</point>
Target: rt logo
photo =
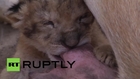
<point>13,64</point>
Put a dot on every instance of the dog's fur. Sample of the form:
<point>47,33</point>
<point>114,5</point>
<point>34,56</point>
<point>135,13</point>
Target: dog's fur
<point>53,27</point>
<point>119,19</point>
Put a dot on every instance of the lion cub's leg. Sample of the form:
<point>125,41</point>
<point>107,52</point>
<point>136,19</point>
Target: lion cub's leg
<point>105,54</point>
<point>26,53</point>
<point>103,50</point>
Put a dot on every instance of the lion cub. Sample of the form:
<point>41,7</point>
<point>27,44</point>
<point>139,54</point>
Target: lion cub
<point>53,27</point>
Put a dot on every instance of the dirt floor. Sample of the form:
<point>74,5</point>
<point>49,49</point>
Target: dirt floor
<point>8,40</point>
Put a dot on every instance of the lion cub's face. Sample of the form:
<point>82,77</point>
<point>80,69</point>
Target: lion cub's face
<point>55,26</point>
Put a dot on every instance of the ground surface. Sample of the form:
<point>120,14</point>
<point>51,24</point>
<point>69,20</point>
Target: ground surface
<point>8,40</point>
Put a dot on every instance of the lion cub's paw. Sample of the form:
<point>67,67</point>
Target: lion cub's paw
<point>105,54</point>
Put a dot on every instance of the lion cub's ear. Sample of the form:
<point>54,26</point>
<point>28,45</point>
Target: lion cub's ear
<point>15,14</point>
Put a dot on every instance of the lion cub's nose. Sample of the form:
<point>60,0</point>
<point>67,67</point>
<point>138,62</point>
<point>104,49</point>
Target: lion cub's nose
<point>71,40</point>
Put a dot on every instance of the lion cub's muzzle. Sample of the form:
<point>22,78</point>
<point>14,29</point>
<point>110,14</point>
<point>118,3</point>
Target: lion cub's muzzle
<point>70,40</point>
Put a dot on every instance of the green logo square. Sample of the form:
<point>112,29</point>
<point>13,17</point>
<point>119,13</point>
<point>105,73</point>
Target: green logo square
<point>13,64</point>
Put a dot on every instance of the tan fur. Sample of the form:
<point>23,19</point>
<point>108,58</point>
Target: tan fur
<point>120,21</point>
<point>4,6</point>
<point>3,18</point>
<point>53,27</point>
